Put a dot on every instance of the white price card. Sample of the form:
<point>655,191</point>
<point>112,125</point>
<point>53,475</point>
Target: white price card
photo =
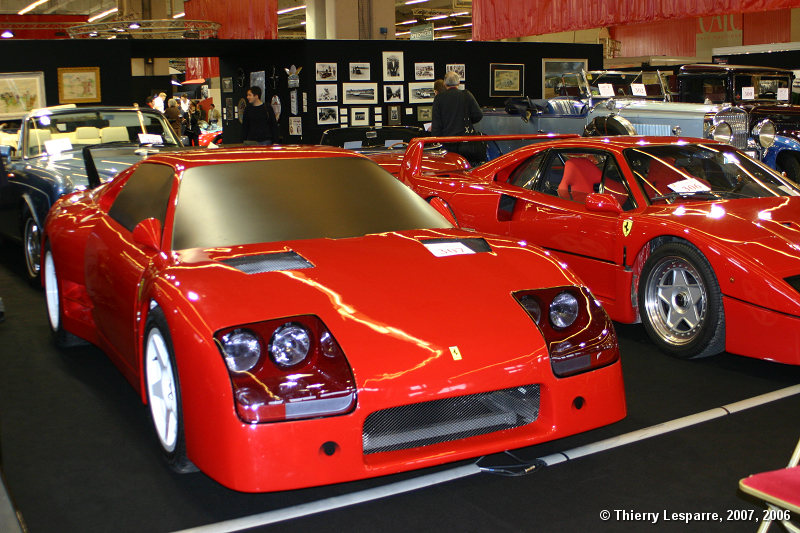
<point>638,89</point>
<point>748,93</point>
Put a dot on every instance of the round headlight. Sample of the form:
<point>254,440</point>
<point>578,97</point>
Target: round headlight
<point>242,350</point>
<point>290,344</point>
<point>765,132</point>
<point>723,132</point>
<point>563,310</point>
<point>532,306</point>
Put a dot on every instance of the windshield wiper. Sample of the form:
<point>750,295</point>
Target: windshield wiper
<point>685,194</point>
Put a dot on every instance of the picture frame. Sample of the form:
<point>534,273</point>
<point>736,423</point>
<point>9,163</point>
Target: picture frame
<point>506,79</point>
<point>359,93</point>
<point>326,72</point>
<point>420,92</point>
<point>393,67</point>
<point>554,68</point>
<point>79,85</point>
<point>425,113</point>
<point>423,71</point>
<point>359,71</point>
<point>359,116</point>
<point>26,90</point>
<point>393,93</point>
<point>458,68</point>
<point>327,92</point>
<point>393,117</point>
<point>328,114</point>
<point>227,85</point>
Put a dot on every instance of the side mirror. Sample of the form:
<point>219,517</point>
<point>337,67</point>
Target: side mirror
<point>147,234</point>
<point>602,203</point>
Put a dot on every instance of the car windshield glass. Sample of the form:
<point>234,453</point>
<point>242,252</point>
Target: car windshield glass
<point>702,172</point>
<point>708,89</point>
<point>288,198</point>
<point>622,84</point>
<point>50,133</point>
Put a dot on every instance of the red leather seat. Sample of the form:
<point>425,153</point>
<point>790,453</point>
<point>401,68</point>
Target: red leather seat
<point>580,178</point>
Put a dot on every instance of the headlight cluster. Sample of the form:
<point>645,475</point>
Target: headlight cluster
<point>723,133</point>
<point>765,131</point>
<point>286,369</point>
<point>578,333</point>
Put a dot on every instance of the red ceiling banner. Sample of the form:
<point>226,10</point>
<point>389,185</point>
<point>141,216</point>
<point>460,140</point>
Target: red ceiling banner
<point>499,19</point>
<point>239,20</point>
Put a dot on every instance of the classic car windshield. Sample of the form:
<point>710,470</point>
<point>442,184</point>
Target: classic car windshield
<point>57,132</point>
<point>632,84</point>
<point>284,199</point>
<point>676,172</point>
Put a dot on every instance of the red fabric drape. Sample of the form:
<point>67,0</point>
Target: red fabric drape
<point>499,19</point>
<point>240,19</point>
<point>33,33</point>
<point>202,67</point>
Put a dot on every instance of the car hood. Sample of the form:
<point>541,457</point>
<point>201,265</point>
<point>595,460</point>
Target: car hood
<point>394,307</point>
<point>647,107</point>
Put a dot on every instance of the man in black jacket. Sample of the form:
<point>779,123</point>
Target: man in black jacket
<point>453,111</point>
<point>258,123</point>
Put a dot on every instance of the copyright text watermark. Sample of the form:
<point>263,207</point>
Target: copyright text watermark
<point>686,517</point>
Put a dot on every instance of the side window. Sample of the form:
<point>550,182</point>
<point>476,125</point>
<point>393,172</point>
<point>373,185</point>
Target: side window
<point>614,184</point>
<point>144,195</point>
<point>573,175</point>
<point>525,174</point>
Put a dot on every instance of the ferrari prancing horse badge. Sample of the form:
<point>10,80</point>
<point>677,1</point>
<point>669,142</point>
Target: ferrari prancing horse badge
<point>456,353</point>
<point>627,225</point>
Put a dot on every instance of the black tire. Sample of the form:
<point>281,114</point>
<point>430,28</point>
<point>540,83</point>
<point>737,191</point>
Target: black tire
<point>54,305</point>
<point>788,162</point>
<point>164,392</point>
<point>680,302</point>
<point>31,247</point>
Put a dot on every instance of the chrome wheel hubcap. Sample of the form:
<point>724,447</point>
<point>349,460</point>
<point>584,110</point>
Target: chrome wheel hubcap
<point>676,300</point>
<point>161,389</point>
<point>32,247</point>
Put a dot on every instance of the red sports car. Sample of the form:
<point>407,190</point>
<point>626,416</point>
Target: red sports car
<point>692,237</point>
<point>295,316</point>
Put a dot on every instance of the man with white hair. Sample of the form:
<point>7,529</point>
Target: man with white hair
<point>454,110</point>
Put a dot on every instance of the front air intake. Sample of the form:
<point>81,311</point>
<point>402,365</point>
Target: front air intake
<point>256,264</point>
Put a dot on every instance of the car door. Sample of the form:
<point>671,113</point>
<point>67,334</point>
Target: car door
<point>115,264</point>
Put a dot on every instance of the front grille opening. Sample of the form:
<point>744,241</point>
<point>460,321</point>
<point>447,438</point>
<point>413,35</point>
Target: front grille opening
<point>448,419</point>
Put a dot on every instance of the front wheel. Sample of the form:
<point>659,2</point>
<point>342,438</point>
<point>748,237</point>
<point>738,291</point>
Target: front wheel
<point>31,242</point>
<point>164,393</point>
<point>62,337</point>
<point>680,302</point>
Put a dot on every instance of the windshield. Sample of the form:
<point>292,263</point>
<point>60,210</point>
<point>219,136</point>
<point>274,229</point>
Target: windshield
<point>677,172</point>
<point>60,132</point>
<point>762,87</point>
<point>609,84</point>
<point>715,88</point>
<point>283,199</point>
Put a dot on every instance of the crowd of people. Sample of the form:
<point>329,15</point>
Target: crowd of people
<point>184,115</point>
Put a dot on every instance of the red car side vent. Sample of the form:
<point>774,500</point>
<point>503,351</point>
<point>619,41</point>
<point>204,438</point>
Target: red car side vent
<point>256,264</point>
<point>476,244</point>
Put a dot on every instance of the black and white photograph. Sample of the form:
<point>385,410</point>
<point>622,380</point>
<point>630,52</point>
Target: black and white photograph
<point>392,93</point>
<point>359,116</point>
<point>327,114</point>
<point>327,92</point>
<point>393,117</point>
<point>227,85</point>
<point>458,68</point>
<point>420,92</point>
<point>359,71</point>
<point>393,66</point>
<point>327,72</point>
<point>425,113</point>
<point>423,71</point>
<point>360,93</point>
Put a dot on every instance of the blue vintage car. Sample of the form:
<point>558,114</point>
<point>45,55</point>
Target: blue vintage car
<point>47,158</point>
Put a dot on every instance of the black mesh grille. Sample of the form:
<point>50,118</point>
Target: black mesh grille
<point>255,264</point>
<point>423,424</point>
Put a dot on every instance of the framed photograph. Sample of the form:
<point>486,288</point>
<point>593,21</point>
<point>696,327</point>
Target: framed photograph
<point>79,85</point>
<point>295,126</point>
<point>425,113</point>
<point>359,116</point>
<point>360,93</point>
<point>393,116</point>
<point>327,92</point>
<point>506,79</point>
<point>420,92</point>
<point>21,92</point>
<point>327,72</point>
<point>393,66</point>
<point>227,85</point>
<point>328,114</point>
<point>458,68</point>
<point>423,71</point>
<point>393,93</point>
<point>359,71</point>
<point>553,72</point>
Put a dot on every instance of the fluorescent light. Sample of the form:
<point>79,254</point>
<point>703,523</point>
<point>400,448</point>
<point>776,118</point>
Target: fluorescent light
<point>402,33</point>
<point>412,21</point>
<point>459,14</point>
<point>8,34</point>
<point>448,36</point>
<point>290,9</point>
<point>32,6</point>
<point>437,17</point>
<point>415,2</point>
<point>103,14</point>
<point>179,15</point>
<point>134,25</point>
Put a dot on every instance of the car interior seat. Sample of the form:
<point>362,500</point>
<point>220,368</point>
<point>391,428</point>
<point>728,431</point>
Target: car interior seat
<point>114,134</point>
<point>580,178</point>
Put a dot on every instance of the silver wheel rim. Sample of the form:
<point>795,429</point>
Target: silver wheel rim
<point>676,300</point>
<point>51,291</point>
<point>32,246</point>
<point>162,394</point>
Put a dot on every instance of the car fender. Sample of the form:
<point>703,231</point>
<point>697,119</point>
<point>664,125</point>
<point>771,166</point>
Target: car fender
<point>782,142</point>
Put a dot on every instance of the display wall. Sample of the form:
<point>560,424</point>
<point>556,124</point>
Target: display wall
<point>376,82</point>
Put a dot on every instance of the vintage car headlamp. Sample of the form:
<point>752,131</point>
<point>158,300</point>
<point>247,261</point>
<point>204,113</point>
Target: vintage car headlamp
<point>242,349</point>
<point>723,132</point>
<point>765,132</point>
<point>290,344</point>
<point>563,310</point>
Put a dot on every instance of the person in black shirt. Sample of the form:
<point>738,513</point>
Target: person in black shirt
<point>453,111</point>
<point>258,123</point>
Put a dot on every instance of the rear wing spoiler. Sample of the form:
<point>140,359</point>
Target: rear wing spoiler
<point>412,160</point>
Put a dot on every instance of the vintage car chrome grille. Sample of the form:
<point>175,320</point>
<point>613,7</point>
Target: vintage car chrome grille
<point>423,424</point>
<point>738,122</point>
<point>255,264</point>
<point>661,130</point>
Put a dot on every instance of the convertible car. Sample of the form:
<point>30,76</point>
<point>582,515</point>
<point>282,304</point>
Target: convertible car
<point>690,236</point>
<point>322,328</point>
<point>46,160</point>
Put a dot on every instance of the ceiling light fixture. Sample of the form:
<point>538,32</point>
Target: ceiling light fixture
<point>415,2</point>
<point>402,33</point>
<point>134,26</point>
<point>8,34</point>
<point>32,6</point>
<point>412,21</point>
<point>460,14</point>
<point>448,36</point>
<point>290,9</point>
<point>103,14</point>
<point>179,15</point>
<point>443,28</point>
<point>437,17</point>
